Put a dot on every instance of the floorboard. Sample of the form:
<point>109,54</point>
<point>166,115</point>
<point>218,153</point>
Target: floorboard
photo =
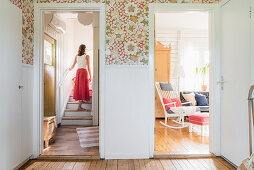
<point>179,141</point>
<point>67,143</point>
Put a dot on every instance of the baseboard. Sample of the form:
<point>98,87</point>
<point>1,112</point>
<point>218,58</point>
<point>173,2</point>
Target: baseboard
<point>167,155</point>
<point>22,163</point>
<point>68,157</point>
<point>128,156</point>
<point>229,161</point>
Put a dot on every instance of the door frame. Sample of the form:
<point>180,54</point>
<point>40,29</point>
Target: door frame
<point>214,46</point>
<point>39,10</point>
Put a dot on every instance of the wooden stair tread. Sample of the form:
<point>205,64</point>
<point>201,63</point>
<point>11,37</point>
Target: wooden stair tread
<point>77,103</point>
<point>75,110</point>
<point>78,118</point>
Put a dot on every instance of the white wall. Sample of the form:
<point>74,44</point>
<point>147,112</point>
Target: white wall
<point>84,35</point>
<point>68,58</point>
<point>128,109</point>
<point>16,105</point>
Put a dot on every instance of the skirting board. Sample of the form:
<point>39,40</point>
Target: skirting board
<point>22,163</point>
<point>166,155</point>
<point>128,156</point>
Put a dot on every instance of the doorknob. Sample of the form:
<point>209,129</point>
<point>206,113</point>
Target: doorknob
<point>21,87</point>
<point>221,82</point>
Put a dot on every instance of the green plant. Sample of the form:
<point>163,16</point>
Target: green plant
<point>203,71</point>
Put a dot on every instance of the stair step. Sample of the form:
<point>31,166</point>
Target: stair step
<point>77,122</point>
<point>75,110</point>
<point>76,102</point>
<point>74,105</point>
<point>76,114</point>
<point>78,118</point>
<point>72,100</point>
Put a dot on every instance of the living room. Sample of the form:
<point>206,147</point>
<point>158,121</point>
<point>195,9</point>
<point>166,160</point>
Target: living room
<point>182,60</point>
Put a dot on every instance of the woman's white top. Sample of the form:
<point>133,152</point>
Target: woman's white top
<point>81,61</point>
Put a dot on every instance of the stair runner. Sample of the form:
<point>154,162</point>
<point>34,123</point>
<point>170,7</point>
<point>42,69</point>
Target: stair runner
<point>74,117</point>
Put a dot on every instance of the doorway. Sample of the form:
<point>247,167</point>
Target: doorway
<point>182,76</point>
<point>167,143</point>
<point>68,131</point>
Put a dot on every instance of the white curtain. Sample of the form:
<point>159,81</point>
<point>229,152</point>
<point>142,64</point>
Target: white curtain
<point>193,52</point>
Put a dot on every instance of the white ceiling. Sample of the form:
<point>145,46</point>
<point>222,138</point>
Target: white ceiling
<point>182,21</point>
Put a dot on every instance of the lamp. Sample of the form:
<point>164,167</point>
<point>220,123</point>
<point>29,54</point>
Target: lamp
<point>178,73</point>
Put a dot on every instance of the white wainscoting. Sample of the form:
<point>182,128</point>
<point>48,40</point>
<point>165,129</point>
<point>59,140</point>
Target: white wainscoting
<point>128,109</point>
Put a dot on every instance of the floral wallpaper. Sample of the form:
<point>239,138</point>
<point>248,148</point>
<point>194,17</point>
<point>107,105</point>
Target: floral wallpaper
<point>27,7</point>
<point>127,32</point>
<point>127,28</point>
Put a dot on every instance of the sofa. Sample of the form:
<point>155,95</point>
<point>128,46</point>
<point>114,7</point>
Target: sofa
<point>202,108</point>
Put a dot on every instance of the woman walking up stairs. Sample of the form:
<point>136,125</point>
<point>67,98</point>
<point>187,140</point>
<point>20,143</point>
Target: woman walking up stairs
<point>79,113</point>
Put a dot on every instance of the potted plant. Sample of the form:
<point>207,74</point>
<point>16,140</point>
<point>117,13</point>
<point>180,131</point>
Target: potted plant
<point>203,71</point>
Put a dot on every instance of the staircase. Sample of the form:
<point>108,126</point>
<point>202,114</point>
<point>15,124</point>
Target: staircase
<point>74,117</point>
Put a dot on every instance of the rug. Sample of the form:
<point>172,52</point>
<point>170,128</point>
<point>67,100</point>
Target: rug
<point>88,136</point>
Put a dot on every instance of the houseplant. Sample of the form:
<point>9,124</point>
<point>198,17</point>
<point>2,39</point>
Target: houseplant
<point>203,71</point>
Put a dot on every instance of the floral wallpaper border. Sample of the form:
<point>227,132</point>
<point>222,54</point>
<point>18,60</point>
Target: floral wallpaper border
<point>27,7</point>
<point>127,28</point>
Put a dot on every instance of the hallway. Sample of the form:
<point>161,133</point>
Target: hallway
<point>67,144</point>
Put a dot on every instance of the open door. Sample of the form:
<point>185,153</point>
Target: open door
<point>49,76</point>
<point>235,82</point>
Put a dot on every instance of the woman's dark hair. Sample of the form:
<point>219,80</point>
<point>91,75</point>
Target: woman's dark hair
<point>81,50</point>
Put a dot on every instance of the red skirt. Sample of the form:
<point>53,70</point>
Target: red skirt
<point>81,88</point>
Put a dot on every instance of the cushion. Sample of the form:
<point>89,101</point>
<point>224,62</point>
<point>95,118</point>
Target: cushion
<point>166,87</point>
<point>166,101</point>
<point>178,102</point>
<point>201,99</point>
<point>199,119</point>
<point>169,111</point>
<point>190,98</point>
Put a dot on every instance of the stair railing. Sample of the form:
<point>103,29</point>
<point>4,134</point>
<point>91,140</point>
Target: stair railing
<point>66,72</point>
<point>251,116</point>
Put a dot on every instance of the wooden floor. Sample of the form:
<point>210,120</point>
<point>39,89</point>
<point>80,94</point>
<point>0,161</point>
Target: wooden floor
<point>179,141</point>
<point>151,164</point>
<point>67,143</point>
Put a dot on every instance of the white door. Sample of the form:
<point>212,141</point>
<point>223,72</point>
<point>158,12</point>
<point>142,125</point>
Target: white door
<point>236,70</point>
<point>10,78</point>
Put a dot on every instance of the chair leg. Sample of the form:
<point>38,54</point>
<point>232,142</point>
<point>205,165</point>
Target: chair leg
<point>202,130</point>
<point>190,128</point>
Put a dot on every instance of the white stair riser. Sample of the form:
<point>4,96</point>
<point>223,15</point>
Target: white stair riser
<point>75,106</point>
<point>77,122</point>
<point>72,100</point>
<point>77,114</point>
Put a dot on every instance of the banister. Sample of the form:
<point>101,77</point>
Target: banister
<point>251,116</point>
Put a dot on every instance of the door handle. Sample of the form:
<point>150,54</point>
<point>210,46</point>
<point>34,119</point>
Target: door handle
<point>21,87</point>
<point>220,82</point>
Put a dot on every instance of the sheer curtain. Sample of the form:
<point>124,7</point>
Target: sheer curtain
<point>193,53</point>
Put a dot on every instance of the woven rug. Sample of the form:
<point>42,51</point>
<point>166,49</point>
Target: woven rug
<point>88,136</point>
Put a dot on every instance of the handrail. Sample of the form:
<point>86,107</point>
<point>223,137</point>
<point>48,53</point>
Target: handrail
<point>66,72</point>
<point>251,110</point>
